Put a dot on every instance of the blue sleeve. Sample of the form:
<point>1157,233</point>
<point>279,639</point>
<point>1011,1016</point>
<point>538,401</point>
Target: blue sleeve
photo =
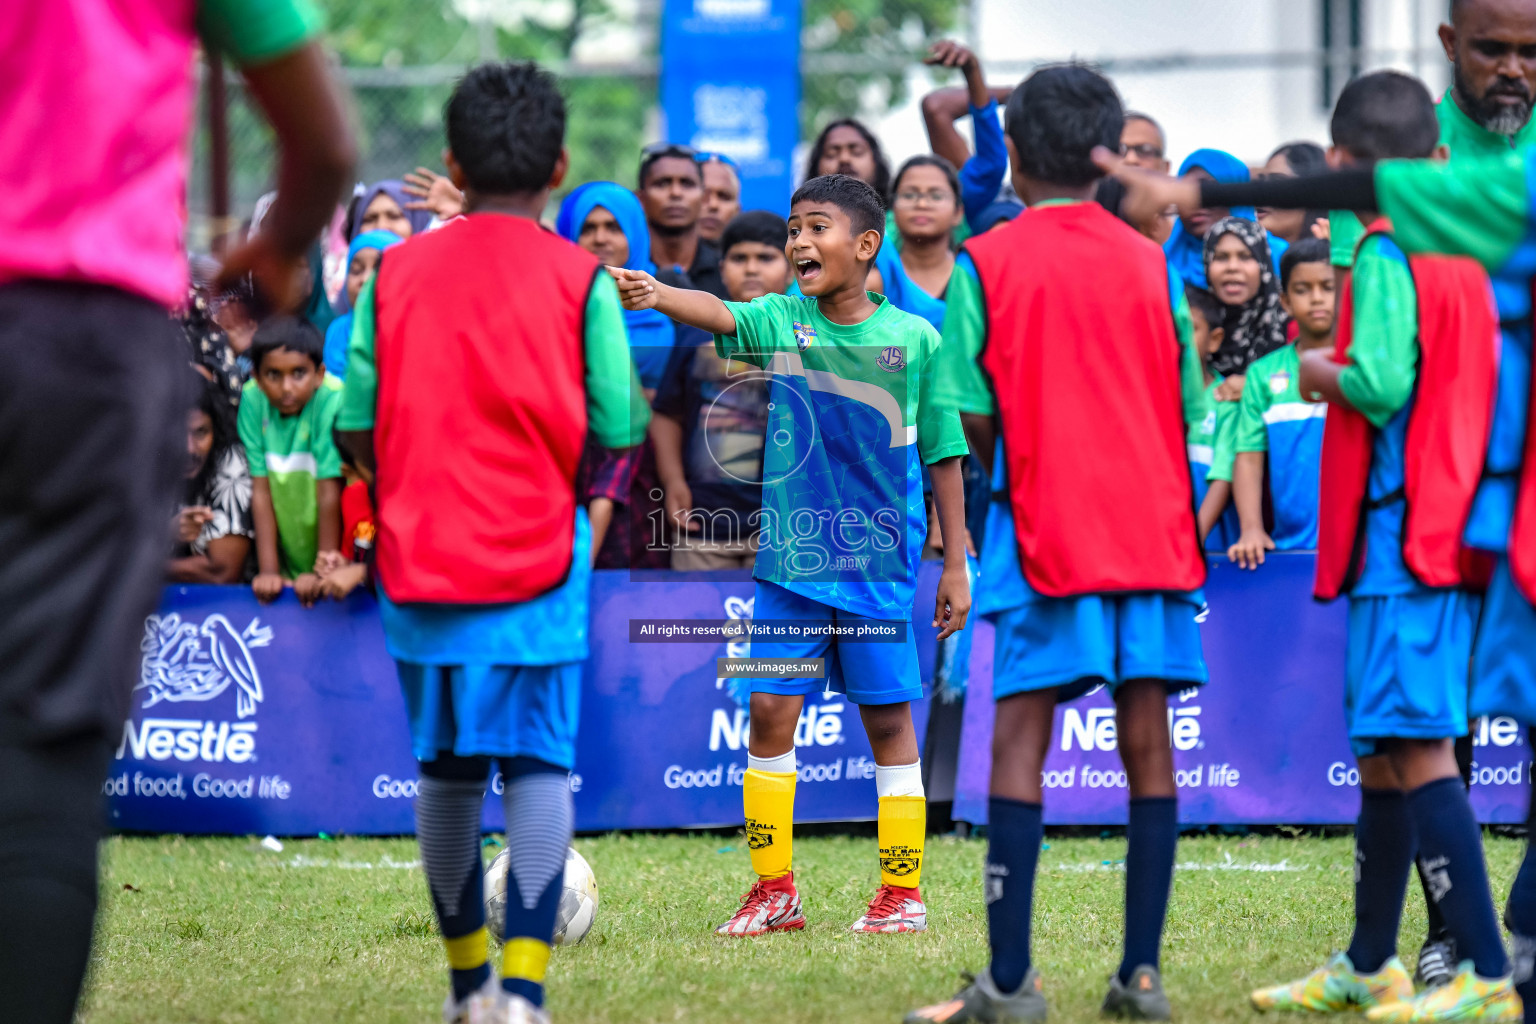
<point>1277,248</point>
<point>981,177</point>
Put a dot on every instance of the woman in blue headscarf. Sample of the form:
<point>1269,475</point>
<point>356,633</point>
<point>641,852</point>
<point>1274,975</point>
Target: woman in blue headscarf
<point>387,206</point>
<point>362,261</point>
<point>606,219</point>
<point>1186,246</point>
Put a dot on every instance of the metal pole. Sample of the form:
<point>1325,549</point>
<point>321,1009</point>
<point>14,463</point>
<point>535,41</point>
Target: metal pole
<point>218,146</point>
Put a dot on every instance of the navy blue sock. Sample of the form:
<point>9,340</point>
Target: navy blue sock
<point>1520,918</point>
<point>1383,856</point>
<point>1152,836</point>
<point>448,801</point>
<point>537,800</point>
<point>1451,858</point>
<point>1014,831</point>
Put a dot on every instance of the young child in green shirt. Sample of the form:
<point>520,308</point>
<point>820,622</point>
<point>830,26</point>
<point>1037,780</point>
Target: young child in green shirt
<point>287,413</point>
<point>1275,428</point>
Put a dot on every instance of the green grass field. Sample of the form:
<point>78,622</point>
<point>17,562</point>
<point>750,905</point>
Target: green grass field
<point>221,930</point>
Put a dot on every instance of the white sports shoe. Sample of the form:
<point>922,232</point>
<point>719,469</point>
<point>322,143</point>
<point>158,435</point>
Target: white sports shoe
<point>893,909</point>
<point>456,1011</point>
<point>502,1007</point>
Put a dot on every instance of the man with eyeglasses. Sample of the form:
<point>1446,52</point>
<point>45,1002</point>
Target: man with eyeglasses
<point>1143,145</point>
<point>672,193</point>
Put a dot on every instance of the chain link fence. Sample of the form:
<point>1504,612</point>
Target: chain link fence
<point>400,61</point>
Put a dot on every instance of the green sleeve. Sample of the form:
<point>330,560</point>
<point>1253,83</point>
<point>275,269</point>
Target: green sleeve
<point>760,327</point>
<point>958,380</point>
<point>1191,370</point>
<point>1224,446</point>
<point>248,424</point>
<point>360,394</point>
<point>256,31</point>
<point>1384,352</point>
<point>1250,433</point>
<point>939,433</point>
<point>327,458</point>
<point>1477,208</point>
<point>617,413</point>
<point>1344,231</point>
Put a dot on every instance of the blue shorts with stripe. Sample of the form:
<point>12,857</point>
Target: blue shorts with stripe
<point>493,710</point>
<point>867,672</point>
<point>1504,651</point>
<point>1405,674</point>
<point>1078,643</point>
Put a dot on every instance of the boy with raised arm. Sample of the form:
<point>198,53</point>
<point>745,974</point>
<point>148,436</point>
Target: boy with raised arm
<point>1400,464</point>
<point>842,527</point>
<point>1481,208</point>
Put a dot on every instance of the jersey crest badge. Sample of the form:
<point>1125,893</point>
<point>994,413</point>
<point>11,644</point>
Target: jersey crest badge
<point>892,360</point>
<point>804,335</point>
<point>1279,381</point>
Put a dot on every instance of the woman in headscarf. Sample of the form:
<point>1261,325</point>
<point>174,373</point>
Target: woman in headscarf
<point>387,206</point>
<point>607,220</point>
<point>1185,247</point>
<point>1236,261</point>
<point>362,260</point>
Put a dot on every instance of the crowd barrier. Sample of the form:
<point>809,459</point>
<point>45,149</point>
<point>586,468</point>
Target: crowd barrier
<point>285,720</point>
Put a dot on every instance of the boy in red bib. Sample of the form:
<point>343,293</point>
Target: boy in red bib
<point>481,356</point>
<point>1091,556</point>
<point>1418,344</point>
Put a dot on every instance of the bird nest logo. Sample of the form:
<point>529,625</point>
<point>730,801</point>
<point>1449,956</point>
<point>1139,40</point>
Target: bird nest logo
<point>186,662</point>
<point>737,609</point>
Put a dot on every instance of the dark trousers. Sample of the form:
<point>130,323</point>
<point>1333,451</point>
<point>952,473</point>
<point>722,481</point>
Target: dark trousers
<point>94,393</point>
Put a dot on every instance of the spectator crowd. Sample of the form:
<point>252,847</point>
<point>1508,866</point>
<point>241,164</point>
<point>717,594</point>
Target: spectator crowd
<point>271,500</point>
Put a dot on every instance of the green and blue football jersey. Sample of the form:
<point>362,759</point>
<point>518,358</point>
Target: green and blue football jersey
<point>1272,418</point>
<point>851,417</point>
<point>1482,208</point>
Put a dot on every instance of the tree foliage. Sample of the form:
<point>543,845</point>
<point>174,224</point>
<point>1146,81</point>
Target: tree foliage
<point>892,33</point>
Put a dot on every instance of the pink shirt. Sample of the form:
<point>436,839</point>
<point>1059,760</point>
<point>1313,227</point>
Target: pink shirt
<point>96,103</point>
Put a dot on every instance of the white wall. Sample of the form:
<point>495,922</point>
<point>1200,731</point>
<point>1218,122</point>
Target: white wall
<point>1248,109</point>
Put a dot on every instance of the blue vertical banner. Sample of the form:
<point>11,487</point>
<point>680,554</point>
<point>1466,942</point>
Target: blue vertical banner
<point>730,84</point>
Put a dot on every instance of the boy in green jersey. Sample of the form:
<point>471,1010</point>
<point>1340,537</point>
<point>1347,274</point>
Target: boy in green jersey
<point>287,413</point>
<point>1210,420</point>
<point>1275,428</point>
<point>842,526</point>
<point>1409,641</point>
<point>1482,208</point>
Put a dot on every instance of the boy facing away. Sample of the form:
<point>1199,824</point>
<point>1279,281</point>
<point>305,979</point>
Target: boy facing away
<point>1092,578</point>
<point>482,550</point>
<point>287,412</point>
<point>1275,430</point>
<point>1485,209</point>
<point>842,527</point>
<point>1418,345</point>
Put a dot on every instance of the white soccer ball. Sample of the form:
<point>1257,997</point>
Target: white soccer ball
<point>578,898</point>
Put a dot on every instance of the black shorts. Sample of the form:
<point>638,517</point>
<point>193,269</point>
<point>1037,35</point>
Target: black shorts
<point>94,393</point>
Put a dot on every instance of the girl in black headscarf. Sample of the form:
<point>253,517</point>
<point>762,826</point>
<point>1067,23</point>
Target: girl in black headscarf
<point>1237,265</point>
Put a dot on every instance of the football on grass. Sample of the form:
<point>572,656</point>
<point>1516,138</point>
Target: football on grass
<point>578,898</point>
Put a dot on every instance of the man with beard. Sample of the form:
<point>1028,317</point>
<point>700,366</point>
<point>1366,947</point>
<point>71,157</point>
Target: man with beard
<point>1492,47</point>
<point>672,192</point>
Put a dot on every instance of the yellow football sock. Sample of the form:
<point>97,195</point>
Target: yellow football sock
<point>902,825</point>
<point>769,800</point>
<point>525,958</point>
<point>468,952</point>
